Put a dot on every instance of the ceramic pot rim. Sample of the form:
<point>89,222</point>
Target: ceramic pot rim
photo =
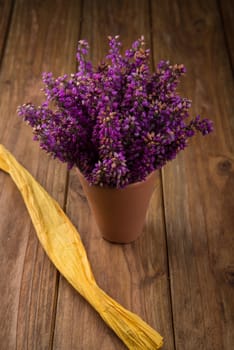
<point>132,185</point>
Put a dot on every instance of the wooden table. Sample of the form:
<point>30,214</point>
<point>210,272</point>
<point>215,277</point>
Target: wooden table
<point>179,275</point>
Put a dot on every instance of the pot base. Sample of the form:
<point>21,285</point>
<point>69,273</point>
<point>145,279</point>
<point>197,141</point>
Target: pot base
<point>120,213</point>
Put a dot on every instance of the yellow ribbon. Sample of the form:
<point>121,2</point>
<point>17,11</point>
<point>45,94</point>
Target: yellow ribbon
<point>63,244</point>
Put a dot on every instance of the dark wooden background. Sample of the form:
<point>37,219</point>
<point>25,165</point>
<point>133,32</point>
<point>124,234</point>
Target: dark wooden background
<point>179,276</point>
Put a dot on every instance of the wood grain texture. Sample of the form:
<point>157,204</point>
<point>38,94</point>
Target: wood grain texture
<point>199,185</point>
<point>226,8</point>
<point>5,16</point>
<point>28,285</point>
<point>135,275</point>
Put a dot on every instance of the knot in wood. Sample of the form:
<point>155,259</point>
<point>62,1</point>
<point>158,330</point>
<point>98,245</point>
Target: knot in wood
<point>229,276</point>
<point>224,167</point>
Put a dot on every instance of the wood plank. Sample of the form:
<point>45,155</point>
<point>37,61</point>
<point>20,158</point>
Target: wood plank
<point>5,15</point>
<point>199,185</point>
<point>226,8</point>
<point>135,275</point>
<point>28,285</point>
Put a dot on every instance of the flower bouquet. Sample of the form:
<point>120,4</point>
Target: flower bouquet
<point>116,123</point>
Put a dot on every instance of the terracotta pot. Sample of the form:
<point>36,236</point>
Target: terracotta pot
<point>120,213</point>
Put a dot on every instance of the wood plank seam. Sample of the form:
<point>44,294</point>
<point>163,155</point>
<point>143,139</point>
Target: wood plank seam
<point>153,63</point>
<point>58,276</point>
<point>225,37</point>
<point>6,33</point>
<point>167,258</point>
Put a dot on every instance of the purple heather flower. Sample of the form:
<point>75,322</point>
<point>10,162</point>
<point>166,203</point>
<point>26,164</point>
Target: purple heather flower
<point>116,123</point>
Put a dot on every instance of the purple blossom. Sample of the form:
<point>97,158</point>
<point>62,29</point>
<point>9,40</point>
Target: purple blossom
<point>118,122</point>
